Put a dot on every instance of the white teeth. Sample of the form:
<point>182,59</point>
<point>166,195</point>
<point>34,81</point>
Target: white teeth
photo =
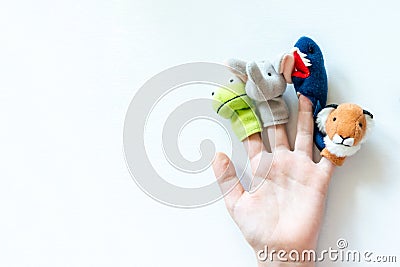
<point>303,56</point>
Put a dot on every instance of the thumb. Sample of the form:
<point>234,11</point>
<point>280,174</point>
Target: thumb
<point>229,183</point>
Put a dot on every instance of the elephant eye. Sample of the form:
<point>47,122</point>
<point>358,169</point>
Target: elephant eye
<point>334,119</point>
<point>269,74</point>
<point>212,93</point>
<point>360,124</point>
<point>231,80</point>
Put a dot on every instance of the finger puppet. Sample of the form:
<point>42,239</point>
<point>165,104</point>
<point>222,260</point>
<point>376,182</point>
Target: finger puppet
<point>346,127</point>
<point>265,86</point>
<point>231,102</point>
<point>304,67</point>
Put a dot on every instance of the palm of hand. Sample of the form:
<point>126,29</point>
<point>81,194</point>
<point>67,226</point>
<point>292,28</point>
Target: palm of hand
<point>284,208</point>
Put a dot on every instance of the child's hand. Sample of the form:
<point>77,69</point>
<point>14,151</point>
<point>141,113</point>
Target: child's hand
<point>285,210</point>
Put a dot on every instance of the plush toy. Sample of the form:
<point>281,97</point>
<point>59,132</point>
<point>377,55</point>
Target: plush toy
<point>346,127</point>
<point>304,67</point>
<point>265,86</point>
<point>231,102</point>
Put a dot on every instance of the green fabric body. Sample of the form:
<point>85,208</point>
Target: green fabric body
<point>231,102</point>
<point>245,123</point>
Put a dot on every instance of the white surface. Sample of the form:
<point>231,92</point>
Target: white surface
<point>68,70</point>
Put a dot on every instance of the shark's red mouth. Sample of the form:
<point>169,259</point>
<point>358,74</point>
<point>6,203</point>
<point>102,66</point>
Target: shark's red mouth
<point>300,65</point>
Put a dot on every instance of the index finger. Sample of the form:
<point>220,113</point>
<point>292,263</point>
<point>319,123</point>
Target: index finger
<point>254,145</point>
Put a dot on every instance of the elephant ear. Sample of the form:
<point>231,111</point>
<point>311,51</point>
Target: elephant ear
<point>285,66</point>
<point>237,67</point>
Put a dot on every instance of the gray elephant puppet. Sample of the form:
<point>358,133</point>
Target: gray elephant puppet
<point>265,84</point>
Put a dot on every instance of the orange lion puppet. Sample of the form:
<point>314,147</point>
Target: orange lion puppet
<point>346,127</point>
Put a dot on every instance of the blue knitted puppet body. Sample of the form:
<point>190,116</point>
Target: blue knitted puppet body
<point>311,81</point>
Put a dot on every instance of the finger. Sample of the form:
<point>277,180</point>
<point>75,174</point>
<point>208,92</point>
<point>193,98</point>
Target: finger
<point>327,168</point>
<point>277,137</point>
<point>326,165</point>
<point>230,185</point>
<point>305,127</point>
<point>260,167</point>
<point>254,145</point>
<point>257,153</point>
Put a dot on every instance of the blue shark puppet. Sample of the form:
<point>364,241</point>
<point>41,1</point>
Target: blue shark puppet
<point>304,67</point>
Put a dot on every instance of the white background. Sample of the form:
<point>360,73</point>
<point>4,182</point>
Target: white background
<point>68,70</point>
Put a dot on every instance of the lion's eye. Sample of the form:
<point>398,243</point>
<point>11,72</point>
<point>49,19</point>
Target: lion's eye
<point>360,124</point>
<point>212,93</point>
<point>269,74</point>
<point>231,80</point>
<point>334,119</point>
